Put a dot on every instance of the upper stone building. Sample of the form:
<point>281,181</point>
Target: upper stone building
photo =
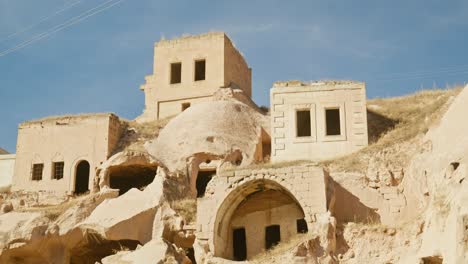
<point>317,120</point>
<point>188,70</point>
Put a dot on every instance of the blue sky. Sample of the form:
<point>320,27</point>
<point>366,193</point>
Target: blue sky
<point>98,64</point>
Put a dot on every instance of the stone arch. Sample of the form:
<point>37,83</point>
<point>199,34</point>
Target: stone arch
<point>233,200</point>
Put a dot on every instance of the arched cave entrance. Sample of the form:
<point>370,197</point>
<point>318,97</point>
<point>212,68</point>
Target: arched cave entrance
<point>255,217</point>
<point>127,177</point>
<point>82,177</point>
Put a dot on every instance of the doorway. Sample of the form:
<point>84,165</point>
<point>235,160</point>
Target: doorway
<point>203,178</point>
<point>82,177</point>
<point>272,236</point>
<point>240,245</point>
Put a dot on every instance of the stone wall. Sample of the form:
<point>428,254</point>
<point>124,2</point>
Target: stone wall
<point>224,64</point>
<point>288,97</point>
<point>67,139</point>
<point>305,184</point>
<point>7,166</point>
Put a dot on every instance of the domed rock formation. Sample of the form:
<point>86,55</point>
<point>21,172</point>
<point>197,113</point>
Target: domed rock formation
<point>227,130</point>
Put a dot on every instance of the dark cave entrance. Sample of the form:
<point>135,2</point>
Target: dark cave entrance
<point>82,177</point>
<point>125,178</point>
<point>239,243</point>
<point>203,178</point>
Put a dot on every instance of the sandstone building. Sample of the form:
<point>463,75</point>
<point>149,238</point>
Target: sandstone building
<point>244,211</point>
<point>189,70</point>
<point>317,120</point>
<point>7,165</point>
<point>61,153</point>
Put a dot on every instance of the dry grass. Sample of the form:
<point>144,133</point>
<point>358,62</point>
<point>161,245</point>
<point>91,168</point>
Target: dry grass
<point>280,249</point>
<point>137,134</point>
<point>395,121</point>
<point>187,208</point>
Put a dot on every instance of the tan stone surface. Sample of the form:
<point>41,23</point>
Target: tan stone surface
<point>218,129</point>
<point>224,66</point>
<point>7,168</point>
<point>288,97</point>
<point>68,139</point>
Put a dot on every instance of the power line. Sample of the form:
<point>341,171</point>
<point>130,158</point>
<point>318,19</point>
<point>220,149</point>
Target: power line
<point>91,12</point>
<point>43,19</point>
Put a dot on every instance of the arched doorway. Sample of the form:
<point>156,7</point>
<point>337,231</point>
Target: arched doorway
<point>255,217</point>
<point>82,177</point>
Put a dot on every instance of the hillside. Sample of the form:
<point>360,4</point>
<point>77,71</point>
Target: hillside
<point>391,202</point>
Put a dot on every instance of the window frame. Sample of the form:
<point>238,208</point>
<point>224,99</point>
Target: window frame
<point>293,124</point>
<point>195,70</point>
<point>323,122</point>
<point>170,72</point>
<point>33,172</point>
<point>54,170</point>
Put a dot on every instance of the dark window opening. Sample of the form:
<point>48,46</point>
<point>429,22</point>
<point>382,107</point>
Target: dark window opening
<point>301,225</point>
<point>176,72</point>
<point>37,170</point>
<point>332,117</point>
<point>239,244</point>
<point>57,170</point>
<point>272,236</point>
<point>303,123</point>
<point>128,177</point>
<point>185,106</point>
<point>82,177</point>
<point>200,66</point>
<point>432,260</point>
<point>203,178</point>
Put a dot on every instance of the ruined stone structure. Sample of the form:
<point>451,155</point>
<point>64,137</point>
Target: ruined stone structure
<point>189,70</point>
<point>7,165</point>
<point>248,211</point>
<point>317,120</point>
<point>61,153</point>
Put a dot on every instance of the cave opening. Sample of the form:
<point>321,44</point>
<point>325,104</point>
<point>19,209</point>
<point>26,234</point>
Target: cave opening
<point>125,178</point>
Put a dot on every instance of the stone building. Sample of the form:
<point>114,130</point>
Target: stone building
<point>317,120</point>
<point>248,211</point>
<point>61,153</point>
<point>188,70</point>
<point>7,165</point>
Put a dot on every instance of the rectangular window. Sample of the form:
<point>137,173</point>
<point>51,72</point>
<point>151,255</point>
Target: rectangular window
<point>176,72</point>
<point>333,122</point>
<point>37,171</point>
<point>185,106</point>
<point>57,170</point>
<point>303,126</point>
<point>272,236</point>
<point>200,66</point>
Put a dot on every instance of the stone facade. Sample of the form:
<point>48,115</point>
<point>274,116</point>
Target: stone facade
<point>257,198</point>
<point>7,166</point>
<point>59,153</point>
<point>224,66</point>
<point>334,114</point>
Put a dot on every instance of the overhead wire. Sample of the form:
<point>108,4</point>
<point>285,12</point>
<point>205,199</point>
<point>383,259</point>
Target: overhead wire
<point>91,12</point>
<point>42,20</point>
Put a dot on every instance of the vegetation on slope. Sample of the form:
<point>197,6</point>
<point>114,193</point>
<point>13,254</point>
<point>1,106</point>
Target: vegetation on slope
<point>393,121</point>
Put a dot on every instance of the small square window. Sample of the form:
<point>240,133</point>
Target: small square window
<point>176,72</point>
<point>57,172</point>
<point>37,170</point>
<point>200,69</point>
<point>185,106</point>
<point>333,122</point>
<point>303,125</point>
